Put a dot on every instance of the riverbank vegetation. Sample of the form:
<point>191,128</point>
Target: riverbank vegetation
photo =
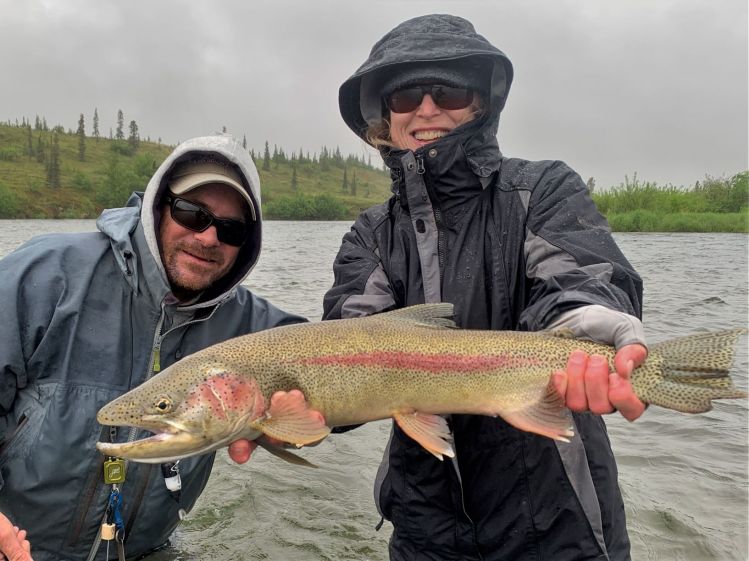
<point>712,205</point>
<point>57,173</point>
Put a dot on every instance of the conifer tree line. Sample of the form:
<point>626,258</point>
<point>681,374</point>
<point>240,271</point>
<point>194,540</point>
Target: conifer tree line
<point>327,158</point>
<point>42,145</point>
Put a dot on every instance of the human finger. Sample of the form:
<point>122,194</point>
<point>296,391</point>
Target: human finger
<point>559,382</point>
<point>597,385</point>
<point>575,397</point>
<point>628,358</point>
<point>241,450</point>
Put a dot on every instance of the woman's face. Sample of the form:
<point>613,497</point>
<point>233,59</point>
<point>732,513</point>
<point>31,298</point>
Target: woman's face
<point>427,123</point>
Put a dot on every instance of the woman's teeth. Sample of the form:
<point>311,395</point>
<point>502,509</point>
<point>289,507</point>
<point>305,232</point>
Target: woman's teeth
<point>429,135</point>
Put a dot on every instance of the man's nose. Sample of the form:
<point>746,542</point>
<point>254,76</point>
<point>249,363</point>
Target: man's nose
<point>208,237</point>
<point>428,108</point>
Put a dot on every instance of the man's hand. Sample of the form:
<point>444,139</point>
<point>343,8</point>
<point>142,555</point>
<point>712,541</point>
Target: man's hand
<point>13,543</point>
<point>241,450</point>
<point>587,384</point>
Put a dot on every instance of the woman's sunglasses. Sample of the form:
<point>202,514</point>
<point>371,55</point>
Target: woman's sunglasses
<point>198,219</point>
<point>444,97</point>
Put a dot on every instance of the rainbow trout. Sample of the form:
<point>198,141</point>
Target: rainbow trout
<point>409,364</point>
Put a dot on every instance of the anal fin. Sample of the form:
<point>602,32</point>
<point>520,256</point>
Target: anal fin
<point>431,431</point>
<point>547,417</point>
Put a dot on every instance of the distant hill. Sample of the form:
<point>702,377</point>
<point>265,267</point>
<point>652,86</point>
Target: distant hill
<point>41,177</point>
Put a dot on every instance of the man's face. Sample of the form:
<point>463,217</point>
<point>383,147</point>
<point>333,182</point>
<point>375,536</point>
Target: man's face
<point>196,260</point>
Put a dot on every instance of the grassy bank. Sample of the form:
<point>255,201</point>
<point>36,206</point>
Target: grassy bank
<point>649,221</point>
<point>713,205</point>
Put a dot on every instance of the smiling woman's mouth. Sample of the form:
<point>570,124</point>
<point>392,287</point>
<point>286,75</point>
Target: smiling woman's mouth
<point>429,134</point>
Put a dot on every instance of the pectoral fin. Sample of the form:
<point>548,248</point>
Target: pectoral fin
<point>290,419</point>
<point>431,431</point>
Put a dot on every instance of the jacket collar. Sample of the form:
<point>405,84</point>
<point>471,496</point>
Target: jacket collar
<point>458,166</point>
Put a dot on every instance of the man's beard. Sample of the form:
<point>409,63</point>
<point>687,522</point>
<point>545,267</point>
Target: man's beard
<point>187,287</point>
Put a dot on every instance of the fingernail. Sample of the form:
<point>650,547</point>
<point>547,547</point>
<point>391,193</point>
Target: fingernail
<point>597,360</point>
<point>578,356</point>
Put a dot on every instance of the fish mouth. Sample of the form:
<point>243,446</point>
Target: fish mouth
<point>159,448</point>
<point>172,440</point>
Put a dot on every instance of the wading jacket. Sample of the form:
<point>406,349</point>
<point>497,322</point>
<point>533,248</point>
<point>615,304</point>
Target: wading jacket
<point>86,317</point>
<point>514,245</point>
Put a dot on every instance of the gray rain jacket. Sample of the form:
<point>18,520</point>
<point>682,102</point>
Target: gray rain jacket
<point>86,317</point>
<point>513,244</point>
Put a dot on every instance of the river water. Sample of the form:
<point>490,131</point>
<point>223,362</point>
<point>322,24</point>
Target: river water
<point>684,477</point>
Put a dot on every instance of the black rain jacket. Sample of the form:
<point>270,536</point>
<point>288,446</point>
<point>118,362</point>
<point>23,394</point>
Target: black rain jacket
<point>512,244</point>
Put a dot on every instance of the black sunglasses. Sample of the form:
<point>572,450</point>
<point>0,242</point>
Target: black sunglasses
<point>198,219</point>
<point>445,97</point>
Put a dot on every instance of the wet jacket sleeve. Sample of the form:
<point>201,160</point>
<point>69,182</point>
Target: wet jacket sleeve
<point>571,258</point>
<point>360,285</point>
<point>30,285</point>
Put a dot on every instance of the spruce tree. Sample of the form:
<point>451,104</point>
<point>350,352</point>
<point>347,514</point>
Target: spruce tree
<point>29,142</point>
<point>134,139</point>
<point>344,185</point>
<point>353,184</point>
<point>96,124</point>
<point>81,132</point>
<point>294,184</point>
<point>244,141</point>
<point>41,156</point>
<point>266,158</point>
<point>120,133</point>
<point>53,164</point>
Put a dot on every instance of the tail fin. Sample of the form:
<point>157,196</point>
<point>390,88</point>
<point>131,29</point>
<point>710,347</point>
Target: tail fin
<point>695,371</point>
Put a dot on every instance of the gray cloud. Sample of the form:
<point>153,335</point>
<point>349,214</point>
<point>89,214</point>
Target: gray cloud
<point>612,88</point>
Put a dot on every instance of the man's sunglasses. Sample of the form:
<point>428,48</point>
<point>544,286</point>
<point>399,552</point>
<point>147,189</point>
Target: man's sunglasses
<point>198,219</point>
<point>444,97</point>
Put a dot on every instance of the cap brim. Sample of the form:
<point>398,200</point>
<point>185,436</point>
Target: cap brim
<point>185,184</point>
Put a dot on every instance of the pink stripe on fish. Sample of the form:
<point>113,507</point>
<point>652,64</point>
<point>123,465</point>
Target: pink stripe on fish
<point>437,363</point>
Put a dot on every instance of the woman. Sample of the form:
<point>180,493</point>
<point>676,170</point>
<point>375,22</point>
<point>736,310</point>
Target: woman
<point>513,244</point>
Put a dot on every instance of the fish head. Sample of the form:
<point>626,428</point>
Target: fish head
<point>192,407</point>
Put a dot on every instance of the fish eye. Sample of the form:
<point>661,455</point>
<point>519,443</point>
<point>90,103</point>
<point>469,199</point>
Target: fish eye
<point>164,404</point>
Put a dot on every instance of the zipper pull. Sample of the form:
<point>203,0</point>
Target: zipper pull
<point>420,165</point>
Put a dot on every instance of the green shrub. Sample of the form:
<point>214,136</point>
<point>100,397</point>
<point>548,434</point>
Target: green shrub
<point>303,207</point>
<point>10,202</point>
<point>9,154</point>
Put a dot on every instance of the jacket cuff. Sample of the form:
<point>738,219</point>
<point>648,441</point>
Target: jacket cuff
<point>602,325</point>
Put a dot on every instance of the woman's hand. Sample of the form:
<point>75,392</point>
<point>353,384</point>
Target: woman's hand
<point>587,384</point>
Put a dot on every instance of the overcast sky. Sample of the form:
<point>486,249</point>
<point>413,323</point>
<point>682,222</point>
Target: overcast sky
<point>656,87</point>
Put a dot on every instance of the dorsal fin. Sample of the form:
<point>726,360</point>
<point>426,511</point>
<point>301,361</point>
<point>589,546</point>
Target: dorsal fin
<point>435,316</point>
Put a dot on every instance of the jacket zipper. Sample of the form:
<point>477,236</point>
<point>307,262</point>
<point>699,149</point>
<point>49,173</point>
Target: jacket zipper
<point>155,368</point>
<point>463,504</point>
<point>421,170</point>
<point>154,362</point>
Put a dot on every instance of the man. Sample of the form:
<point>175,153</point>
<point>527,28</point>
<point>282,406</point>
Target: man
<point>88,316</point>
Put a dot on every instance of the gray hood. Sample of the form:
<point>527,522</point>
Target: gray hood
<point>435,37</point>
<point>140,220</point>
